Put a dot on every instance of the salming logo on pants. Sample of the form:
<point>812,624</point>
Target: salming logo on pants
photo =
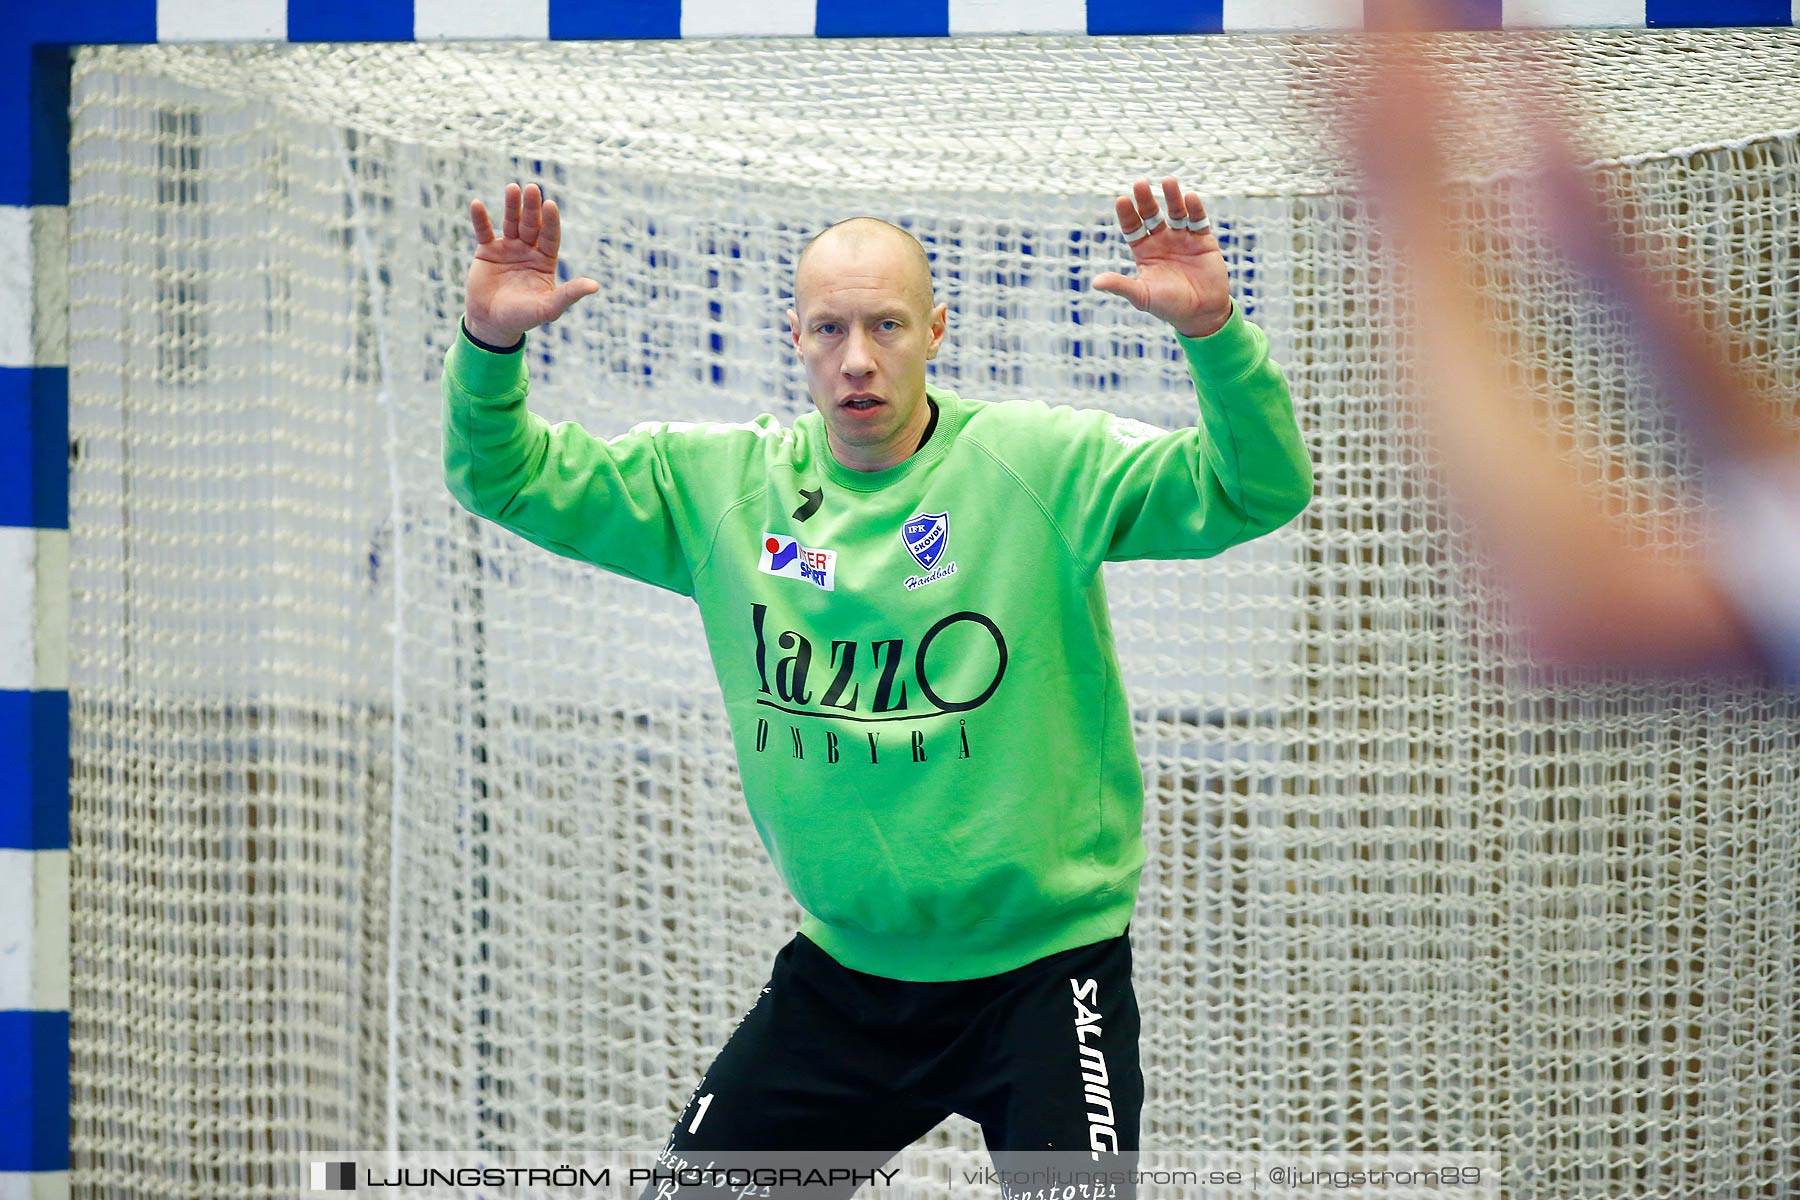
<point>1103,1134</point>
<point>1043,1057</point>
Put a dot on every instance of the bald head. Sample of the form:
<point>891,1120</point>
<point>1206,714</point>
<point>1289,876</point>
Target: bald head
<point>858,241</point>
<point>865,327</point>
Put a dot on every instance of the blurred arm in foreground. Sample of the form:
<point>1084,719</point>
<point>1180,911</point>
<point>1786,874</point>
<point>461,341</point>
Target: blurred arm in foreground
<point>1587,593</point>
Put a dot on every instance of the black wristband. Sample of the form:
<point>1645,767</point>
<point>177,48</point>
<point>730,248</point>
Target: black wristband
<point>512,349</point>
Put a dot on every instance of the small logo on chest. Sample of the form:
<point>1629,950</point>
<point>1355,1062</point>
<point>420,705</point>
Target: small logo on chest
<point>785,557</point>
<point>926,535</point>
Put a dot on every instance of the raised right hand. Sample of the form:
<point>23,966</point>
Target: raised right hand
<point>512,281</point>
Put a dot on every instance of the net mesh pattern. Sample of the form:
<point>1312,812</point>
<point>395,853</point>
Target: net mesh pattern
<point>389,827</point>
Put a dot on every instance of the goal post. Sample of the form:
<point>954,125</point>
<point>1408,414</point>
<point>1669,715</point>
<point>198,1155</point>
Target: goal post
<point>385,827</point>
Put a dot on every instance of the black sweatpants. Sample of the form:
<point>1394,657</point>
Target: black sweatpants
<point>1042,1057</point>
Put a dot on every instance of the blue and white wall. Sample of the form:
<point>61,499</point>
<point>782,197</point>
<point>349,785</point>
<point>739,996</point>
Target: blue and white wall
<point>34,383</point>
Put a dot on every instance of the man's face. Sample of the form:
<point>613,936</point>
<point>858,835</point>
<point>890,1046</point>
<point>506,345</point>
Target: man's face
<point>864,325</point>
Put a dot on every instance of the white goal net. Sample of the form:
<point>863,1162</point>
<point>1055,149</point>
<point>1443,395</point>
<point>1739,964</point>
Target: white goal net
<point>390,828</point>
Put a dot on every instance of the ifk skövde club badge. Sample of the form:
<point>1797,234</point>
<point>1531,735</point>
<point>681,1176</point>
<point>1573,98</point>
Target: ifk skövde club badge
<point>925,536</point>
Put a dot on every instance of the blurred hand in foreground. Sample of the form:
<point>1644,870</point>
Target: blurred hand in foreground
<point>1589,594</point>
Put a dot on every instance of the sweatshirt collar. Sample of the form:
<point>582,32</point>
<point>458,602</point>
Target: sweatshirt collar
<point>948,419</point>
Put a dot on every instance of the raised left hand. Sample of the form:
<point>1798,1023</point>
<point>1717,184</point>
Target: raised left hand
<point>1181,276</point>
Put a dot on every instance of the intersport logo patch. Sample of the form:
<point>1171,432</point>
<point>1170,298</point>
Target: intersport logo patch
<point>785,557</point>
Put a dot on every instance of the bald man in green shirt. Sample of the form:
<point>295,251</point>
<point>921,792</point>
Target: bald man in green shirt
<point>903,597</point>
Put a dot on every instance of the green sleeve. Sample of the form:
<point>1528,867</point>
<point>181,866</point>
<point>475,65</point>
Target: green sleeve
<point>611,503</point>
<point>1136,491</point>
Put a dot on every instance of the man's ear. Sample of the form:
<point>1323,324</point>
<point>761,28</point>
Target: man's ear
<point>794,326</point>
<point>939,322</point>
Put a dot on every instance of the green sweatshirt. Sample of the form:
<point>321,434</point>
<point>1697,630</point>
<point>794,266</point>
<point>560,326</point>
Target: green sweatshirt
<point>920,676</point>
